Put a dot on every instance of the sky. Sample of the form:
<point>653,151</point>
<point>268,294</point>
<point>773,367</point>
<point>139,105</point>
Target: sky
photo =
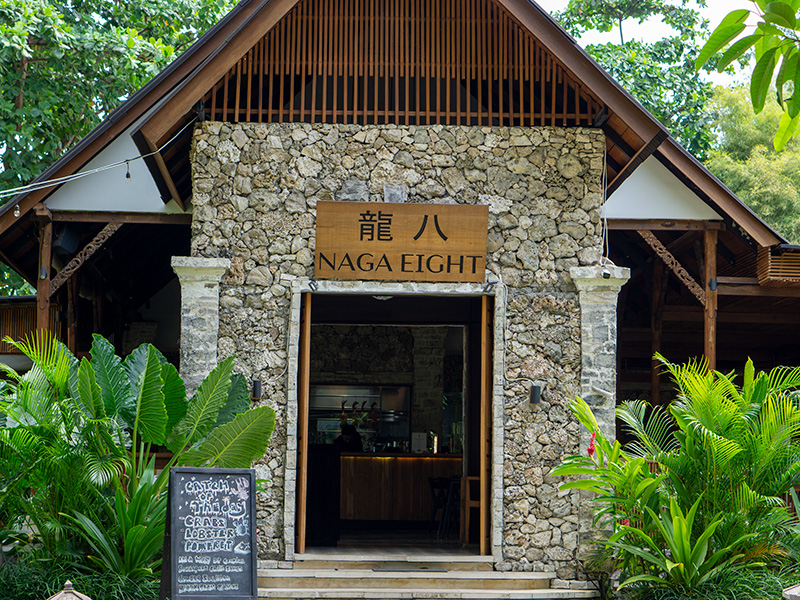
<point>651,29</point>
<point>714,12</point>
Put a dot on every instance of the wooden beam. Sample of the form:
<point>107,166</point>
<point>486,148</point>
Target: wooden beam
<point>43,274</point>
<point>84,255</point>
<point>738,280</point>
<point>657,322</point>
<point>690,314</point>
<point>710,312</point>
<point>641,155</point>
<point>663,224</point>
<point>86,216</point>
<point>758,291</point>
<point>166,175</point>
<point>674,265</point>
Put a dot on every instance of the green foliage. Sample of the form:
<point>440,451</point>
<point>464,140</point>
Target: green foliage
<point>661,73</point>
<point>701,486</point>
<point>744,159</point>
<point>775,38</point>
<point>85,430</point>
<point>36,582</point>
<point>65,65</point>
<point>12,284</point>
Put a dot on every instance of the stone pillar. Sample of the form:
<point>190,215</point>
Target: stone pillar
<point>598,300</point>
<point>199,278</point>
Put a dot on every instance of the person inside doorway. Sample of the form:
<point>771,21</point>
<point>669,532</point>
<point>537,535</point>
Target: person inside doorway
<point>349,440</point>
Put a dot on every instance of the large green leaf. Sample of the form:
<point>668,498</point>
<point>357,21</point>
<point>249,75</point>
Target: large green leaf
<point>781,14</point>
<point>174,396</point>
<point>203,408</point>
<point>89,395</point>
<point>150,418</point>
<point>112,378</point>
<point>731,26</point>
<point>238,443</point>
<point>238,400</point>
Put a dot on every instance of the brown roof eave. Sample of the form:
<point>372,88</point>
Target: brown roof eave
<point>584,67</point>
<point>130,110</point>
<point>692,172</point>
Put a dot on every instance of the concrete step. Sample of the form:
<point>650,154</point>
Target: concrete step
<point>401,577</point>
<point>412,593</point>
<point>372,560</point>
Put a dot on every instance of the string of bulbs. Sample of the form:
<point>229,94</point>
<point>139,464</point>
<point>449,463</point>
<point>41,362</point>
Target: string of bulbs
<point>40,185</point>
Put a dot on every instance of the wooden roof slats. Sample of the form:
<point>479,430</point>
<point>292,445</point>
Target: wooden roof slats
<point>401,61</point>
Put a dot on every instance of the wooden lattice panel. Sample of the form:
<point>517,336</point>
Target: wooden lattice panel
<point>18,320</point>
<point>401,61</point>
<point>778,269</point>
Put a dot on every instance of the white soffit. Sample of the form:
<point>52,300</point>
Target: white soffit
<point>109,190</point>
<point>653,192</point>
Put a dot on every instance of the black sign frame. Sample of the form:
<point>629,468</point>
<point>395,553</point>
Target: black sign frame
<point>174,528</point>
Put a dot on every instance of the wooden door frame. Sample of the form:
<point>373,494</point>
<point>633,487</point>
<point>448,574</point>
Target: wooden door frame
<point>492,418</point>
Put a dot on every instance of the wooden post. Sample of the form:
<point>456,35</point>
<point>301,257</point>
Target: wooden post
<point>303,378</point>
<point>43,274</point>
<point>72,327</point>
<point>710,313</point>
<point>656,327</point>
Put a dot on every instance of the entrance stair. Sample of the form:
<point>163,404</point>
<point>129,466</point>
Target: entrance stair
<point>397,577</point>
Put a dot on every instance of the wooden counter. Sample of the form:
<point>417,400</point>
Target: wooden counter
<point>391,487</point>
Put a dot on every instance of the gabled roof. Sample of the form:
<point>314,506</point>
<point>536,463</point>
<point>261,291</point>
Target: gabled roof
<point>167,102</point>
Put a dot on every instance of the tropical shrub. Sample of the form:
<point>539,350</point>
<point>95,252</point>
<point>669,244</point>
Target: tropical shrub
<point>75,449</point>
<point>700,487</point>
<point>37,582</point>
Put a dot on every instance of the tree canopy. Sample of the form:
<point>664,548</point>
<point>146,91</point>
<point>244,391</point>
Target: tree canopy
<point>743,157</point>
<point>65,65</point>
<point>661,73</point>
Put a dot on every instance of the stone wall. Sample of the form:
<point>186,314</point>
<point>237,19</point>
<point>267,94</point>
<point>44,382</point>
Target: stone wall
<point>255,191</point>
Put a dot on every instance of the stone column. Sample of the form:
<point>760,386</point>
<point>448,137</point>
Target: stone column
<point>199,278</point>
<point>598,300</point>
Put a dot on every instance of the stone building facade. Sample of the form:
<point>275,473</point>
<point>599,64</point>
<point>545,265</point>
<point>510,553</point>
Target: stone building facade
<point>255,190</point>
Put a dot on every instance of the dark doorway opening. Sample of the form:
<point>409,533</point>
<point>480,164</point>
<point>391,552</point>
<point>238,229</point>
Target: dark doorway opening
<point>403,375</point>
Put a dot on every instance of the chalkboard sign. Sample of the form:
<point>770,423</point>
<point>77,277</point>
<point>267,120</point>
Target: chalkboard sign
<point>212,534</point>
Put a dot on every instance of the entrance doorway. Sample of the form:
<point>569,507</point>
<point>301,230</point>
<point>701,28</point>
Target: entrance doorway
<point>394,422</point>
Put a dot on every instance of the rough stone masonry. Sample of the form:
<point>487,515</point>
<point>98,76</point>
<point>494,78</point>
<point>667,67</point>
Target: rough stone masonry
<point>255,189</point>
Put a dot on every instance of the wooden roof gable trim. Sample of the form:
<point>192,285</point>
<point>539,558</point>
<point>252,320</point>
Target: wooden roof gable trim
<point>434,45</point>
<point>129,111</point>
<point>563,46</point>
<point>527,14</point>
<point>687,168</point>
<point>187,94</point>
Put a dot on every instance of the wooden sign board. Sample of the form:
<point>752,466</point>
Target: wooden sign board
<point>212,534</point>
<point>401,242</point>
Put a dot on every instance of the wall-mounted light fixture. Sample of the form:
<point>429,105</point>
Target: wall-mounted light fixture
<point>256,389</point>
<point>536,393</point>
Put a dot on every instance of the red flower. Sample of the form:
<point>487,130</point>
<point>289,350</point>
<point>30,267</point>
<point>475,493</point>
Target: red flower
<point>625,522</point>
<point>590,449</point>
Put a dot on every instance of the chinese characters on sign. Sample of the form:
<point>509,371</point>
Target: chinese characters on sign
<point>401,242</point>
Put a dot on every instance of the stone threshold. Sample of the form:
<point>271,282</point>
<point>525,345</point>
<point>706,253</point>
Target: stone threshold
<point>403,594</point>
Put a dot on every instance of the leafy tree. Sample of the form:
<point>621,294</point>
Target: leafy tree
<point>775,39</point>
<point>744,159</point>
<point>660,74</point>
<point>64,65</point>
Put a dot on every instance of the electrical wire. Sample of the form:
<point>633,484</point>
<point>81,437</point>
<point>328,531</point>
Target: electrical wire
<point>32,187</point>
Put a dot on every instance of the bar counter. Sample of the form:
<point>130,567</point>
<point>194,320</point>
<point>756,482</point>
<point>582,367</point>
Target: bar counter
<point>391,486</point>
